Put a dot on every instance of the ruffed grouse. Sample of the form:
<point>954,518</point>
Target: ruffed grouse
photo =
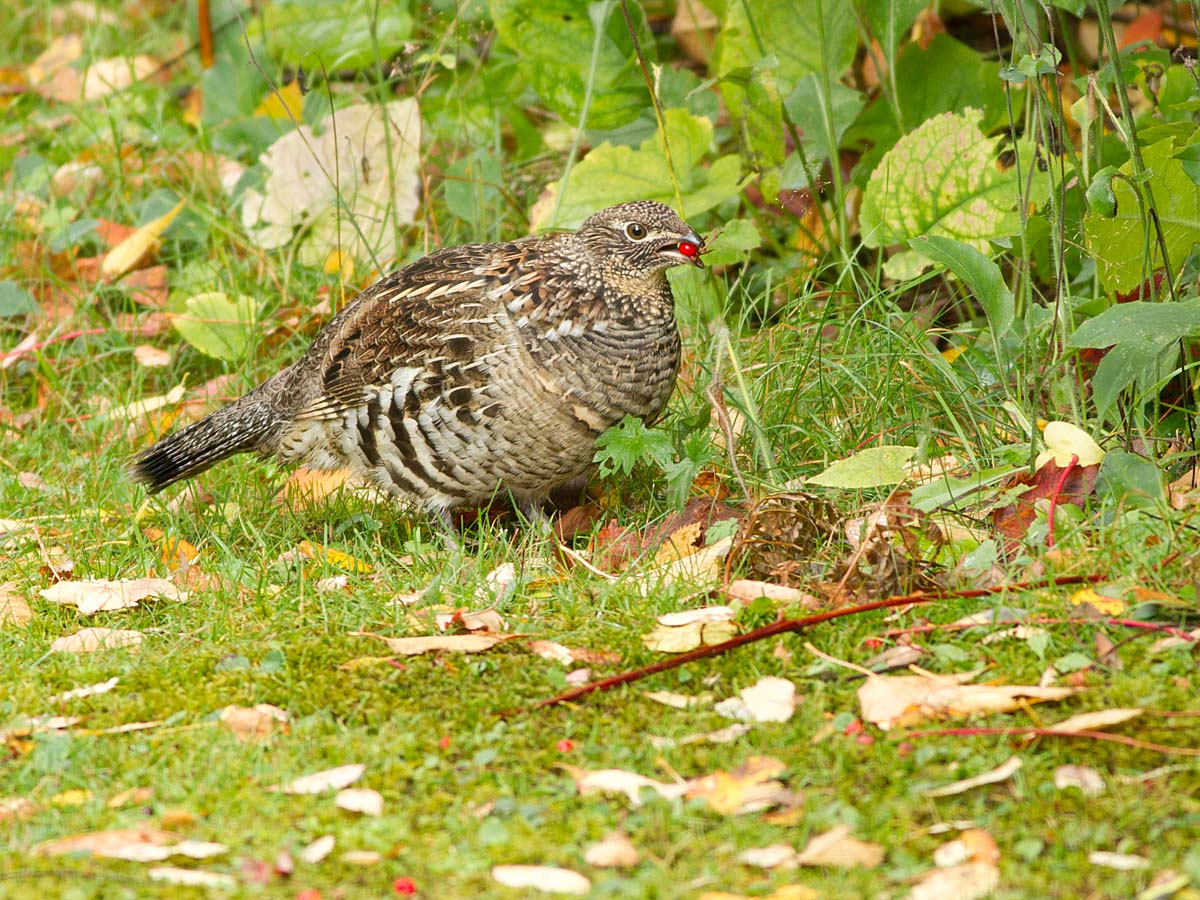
<point>476,370</point>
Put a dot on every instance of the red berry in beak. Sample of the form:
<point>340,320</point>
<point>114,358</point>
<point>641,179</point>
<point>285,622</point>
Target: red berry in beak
<point>688,249</point>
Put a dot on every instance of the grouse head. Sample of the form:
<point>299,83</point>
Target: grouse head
<point>640,240</point>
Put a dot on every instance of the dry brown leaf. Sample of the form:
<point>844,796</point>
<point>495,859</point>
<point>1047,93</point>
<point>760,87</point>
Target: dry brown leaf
<point>702,569</point>
<point>107,596</point>
<point>16,808</point>
<point>681,542</point>
<point>151,357</point>
<point>750,787</point>
<point>87,640</point>
<point>551,879</point>
<point>106,843</point>
<point>306,486</point>
<point>59,54</point>
<point>966,882</point>
<point>325,780</point>
<point>615,851</point>
<point>451,643</point>
<point>1002,772</point>
<point>618,781</point>
<point>770,699</point>
<point>836,848</point>
<point>890,700</point>
<point>13,608</point>
<point>360,800</point>
<point>460,620</point>
<point>747,590</point>
<point>254,723</point>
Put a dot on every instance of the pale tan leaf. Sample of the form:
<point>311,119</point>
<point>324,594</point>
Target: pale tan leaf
<point>254,723</point>
<point>13,608</point>
<point>746,591</point>
<point>665,639</point>
<point>130,797</point>
<point>481,620</point>
<point>773,856</point>
<point>750,787</point>
<point>702,569</point>
<point>553,651</point>
<point>151,357</point>
<point>1002,772</point>
<point>678,701</point>
<point>888,700</point>
<point>108,596</point>
<point>837,848</point>
<point>87,640</point>
<point>1095,721</point>
<point>702,615</point>
<point>615,851</point>
<point>140,408</point>
<point>107,76</point>
<point>59,54</point>
<point>618,781</point>
<point>110,843</point>
<point>1088,780</point>
<point>550,879</point>
<point>770,699</point>
<point>451,643</point>
<point>317,850</point>
<point>16,808</point>
<point>362,857</point>
<point>139,248</point>
<point>89,690</point>
<point>360,800</point>
<point>1122,862</point>
<point>192,877</point>
<point>966,882</point>
<point>325,780</point>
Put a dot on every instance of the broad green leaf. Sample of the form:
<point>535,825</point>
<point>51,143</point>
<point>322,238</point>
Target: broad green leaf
<point>977,272</point>
<point>1140,334</point>
<point>1119,243</point>
<point>798,37</point>
<point>808,106</point>
<point>874,467</point>
<point>612,174</point>
<point>733,243</point>
<point>889,20</point>
<point>333,33</point>
<point>216,325</point>
<point>554,40</point>
<point>940,180</point>
<point>1129,479</point>
<point>15,300</point>
<point>946,77</point>
<point>473,187</point>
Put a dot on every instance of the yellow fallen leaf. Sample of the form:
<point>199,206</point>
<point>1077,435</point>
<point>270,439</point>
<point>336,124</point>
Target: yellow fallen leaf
<point>139,248</point>
<point>333,557</point>
<point>680,639</point>
<point>1094,721</point>
<point>285,103</point>
<point>1064,441</point>
<point>1108,606</point>
<point>59,54</point>
<point>73,797</point>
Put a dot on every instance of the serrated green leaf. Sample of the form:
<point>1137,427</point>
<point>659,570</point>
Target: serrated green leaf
<point>629,442</point>
<point>733,243</point>
<point>216,325</point>
<point>1118,244</point>
<point>941,179</point>
<point>611,174</point>
<point>873,467</point>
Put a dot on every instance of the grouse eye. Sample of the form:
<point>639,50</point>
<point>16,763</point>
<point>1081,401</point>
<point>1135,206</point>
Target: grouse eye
<point>635,230</point>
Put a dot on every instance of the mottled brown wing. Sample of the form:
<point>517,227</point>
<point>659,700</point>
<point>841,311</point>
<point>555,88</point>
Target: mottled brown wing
<point>433,310</point>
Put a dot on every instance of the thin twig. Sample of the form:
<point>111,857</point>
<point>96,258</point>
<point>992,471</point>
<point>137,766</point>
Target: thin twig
<point>785,626</point>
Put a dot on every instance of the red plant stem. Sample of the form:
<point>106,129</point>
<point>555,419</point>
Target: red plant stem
<point>786,626</point>
<point>1058,489</point>
<point>33,348</point>
<point>1053,732</point>
<point>1037,620</point>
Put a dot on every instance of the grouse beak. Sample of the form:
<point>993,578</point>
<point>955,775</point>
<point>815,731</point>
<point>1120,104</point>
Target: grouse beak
<point>686,249</point>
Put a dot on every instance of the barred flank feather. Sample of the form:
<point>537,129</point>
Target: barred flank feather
<point>237,428</point>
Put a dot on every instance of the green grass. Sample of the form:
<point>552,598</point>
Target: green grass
<point>826,375</point>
